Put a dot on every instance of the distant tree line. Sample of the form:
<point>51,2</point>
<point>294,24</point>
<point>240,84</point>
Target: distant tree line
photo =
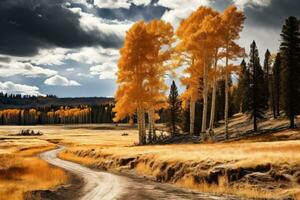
<point>62,115</point>
<point>14,99</point>
<point>28,101</point>
<point>57,115</point>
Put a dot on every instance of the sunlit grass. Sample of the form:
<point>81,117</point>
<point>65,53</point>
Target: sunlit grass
<point>22,171</point>
<point>230,155</point>
<point>99,146</point>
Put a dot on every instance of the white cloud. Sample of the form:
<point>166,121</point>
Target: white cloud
<point>92,55</point>
<point>105,70</point>
<point>49,57</point>
<point>70,69</point>
<point>106,27</point>
<point>84,75</point>
<point>25,69</point>
<point>180,9</point>
<point>111,3</point>
<point>83,2</point>
<point>58,80</point>
<point>243,3</point>
<point>13,88</point>
<point>119,3</point>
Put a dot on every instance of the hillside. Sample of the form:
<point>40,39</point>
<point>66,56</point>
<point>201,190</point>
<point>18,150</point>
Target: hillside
<point>35,102</point>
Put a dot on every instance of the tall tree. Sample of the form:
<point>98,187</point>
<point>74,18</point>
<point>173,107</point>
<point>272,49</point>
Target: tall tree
<point>267,72</point>
<point>290,54</point>
<point>141,72</point>
<point>196,46</point>
<point>174,110</point>
<point>156,87</point>
<point>243,82</point>
<point>256,100</point>
<point>276,83</point>
<point>233,21</point>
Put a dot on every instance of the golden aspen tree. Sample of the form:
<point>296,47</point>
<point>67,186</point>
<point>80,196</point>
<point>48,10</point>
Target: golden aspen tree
<point>232,22</point>
<point>213,28</point>
<point>155,85</point>
<point>196,41</point>
<point>140,72</point>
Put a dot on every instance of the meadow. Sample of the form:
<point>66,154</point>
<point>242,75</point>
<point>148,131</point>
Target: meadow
<point>256,167</point>
<point>21,171</point>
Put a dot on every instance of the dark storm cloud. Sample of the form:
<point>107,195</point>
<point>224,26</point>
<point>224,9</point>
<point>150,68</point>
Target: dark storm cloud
<point>271,16</point>
<point>274,15</point>
<point>27,25</point>
<point>134,13</point>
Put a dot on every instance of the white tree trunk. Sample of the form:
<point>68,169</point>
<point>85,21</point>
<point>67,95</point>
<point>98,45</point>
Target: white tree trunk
<point>205,94</point>
<point>213,99</point>
<point>213,108</point>
<point>141,125</point>
<point>192,116</point>
<point>226,96</point>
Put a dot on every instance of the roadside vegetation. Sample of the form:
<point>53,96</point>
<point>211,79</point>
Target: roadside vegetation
<point>22,172</point>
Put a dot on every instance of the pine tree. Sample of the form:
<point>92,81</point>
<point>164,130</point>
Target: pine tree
<point>267,72</point>
<point>243,86</point>
<point>185,122</point>
<point>290,68</point>
<point>276,82</point>
<point>255,102</point>
<point>174,110</point>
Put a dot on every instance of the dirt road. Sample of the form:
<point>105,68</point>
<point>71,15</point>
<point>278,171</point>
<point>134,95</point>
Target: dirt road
<point>108,186</point>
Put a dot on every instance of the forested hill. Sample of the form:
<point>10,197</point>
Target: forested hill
<point>18,101</point>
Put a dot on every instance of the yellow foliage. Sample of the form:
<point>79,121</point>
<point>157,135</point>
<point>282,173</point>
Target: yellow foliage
<point>142,67</point>
<point>205,37</point>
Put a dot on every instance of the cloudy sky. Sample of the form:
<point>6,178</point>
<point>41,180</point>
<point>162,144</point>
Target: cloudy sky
<point>70,47</point>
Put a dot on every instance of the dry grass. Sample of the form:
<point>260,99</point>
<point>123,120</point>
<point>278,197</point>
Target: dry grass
<point>297,196</point>
<point>99,135</point>
<point>239,190</point>
<point>98,145</point>
<point>236,153</point>
<point>229,156</point>
<point>21,171</point>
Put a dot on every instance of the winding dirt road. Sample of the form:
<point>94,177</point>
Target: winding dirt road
<point>108,186</point>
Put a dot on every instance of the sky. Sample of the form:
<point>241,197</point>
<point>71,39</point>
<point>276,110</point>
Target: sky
<point>70,48</point>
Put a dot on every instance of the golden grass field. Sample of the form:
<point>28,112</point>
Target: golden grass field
<point>230,155</point>
<point>22,171</point>
<point>95,145</point>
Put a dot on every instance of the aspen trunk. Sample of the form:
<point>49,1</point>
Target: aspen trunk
<point>213,107</point>
<point>192,117</point>
<point>141,125</point>
<point>205,91</point>
<point>213,99</point>
<point>226,96</point>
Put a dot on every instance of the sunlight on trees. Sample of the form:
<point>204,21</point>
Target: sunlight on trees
<point>205,46</point>
<point>142,69</point>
